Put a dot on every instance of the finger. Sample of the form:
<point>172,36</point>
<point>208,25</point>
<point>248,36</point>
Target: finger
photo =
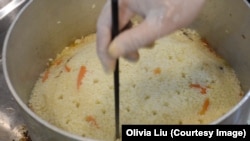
<point>104,38</point>
<point>138,37</point>
<point>133,56</point>
<point>104,34</point>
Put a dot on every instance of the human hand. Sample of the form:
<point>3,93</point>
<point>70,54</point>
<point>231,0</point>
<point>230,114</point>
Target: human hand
<point>160,17</point>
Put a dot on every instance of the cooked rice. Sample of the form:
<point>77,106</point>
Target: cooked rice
<point>180,81</point>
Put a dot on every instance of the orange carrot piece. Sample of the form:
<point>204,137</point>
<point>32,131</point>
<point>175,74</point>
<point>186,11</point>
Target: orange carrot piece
<point>81,75</point>
<point>157,70</point>
<point>195,85</point>
<point>57,62</point>
<point>45,76</point>
<point>67,68</point>
<point>204,107</point>
<point>203,90</point>
<point>92,121</point>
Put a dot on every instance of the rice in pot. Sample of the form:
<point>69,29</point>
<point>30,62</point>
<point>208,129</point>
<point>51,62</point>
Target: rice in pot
<point>180,81</point>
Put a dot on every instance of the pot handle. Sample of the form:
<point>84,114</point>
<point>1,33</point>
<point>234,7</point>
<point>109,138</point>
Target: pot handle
<point>8,8</point>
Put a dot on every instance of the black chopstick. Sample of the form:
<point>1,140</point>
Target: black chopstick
<point>115,32</point>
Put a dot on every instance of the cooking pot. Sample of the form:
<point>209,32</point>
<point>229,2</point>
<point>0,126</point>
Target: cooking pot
<point>44,27</point>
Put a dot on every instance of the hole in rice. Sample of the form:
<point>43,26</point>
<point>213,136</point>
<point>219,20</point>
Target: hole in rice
<point>67,121</point>
<point>180,122</point>
<point>60,97</point>
<point>166,104</point>
<point>128,109</point>
<point>97,102</point>
<point>104,111</point>
<point>134,85</point>
<point>77,104</point>
<point>161,79</point>
<point>146,97</point>
<point>183,75</point>
<point>95,81</point>
<point>154,113</point>
<point>200,121</point>
<point>221,68</point>
<point>111,87</point>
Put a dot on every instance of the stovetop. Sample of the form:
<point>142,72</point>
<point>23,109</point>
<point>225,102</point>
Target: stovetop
<point>12,125</point>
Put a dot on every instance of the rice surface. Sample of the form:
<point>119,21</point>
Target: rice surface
<point>179,81</point>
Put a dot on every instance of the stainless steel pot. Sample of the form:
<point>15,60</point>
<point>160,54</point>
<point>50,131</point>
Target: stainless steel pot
<point>44,26</point>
